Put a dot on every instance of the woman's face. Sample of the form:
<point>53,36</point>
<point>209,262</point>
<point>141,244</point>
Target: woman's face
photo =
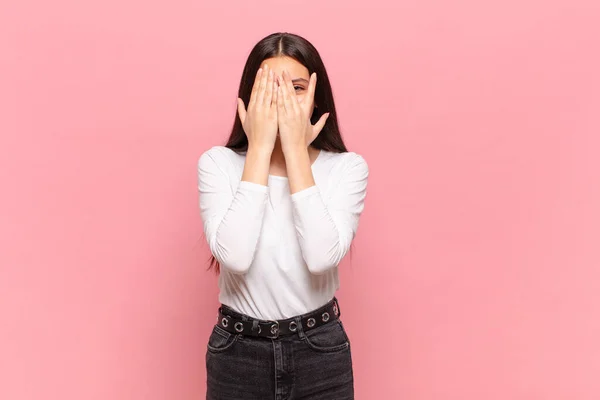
<point>297,71</point>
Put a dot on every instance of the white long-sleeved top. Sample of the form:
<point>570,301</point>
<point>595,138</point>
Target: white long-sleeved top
<point>279,253</point>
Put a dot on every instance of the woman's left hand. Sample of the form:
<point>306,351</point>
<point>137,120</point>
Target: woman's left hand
<point>293,116</point>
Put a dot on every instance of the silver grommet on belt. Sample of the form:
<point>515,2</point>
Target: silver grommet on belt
<point>274,329</point>
<point>224,322</point>
<point>335,309</point>
<point>325,317</point>
<point>293,326</point>
<point>311,322</point>
<point>238,327</point>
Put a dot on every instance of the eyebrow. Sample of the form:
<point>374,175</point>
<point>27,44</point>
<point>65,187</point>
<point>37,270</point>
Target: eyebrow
<point>300,80</point>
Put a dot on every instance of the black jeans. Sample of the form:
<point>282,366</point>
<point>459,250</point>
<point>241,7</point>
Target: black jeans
<point>311,365</point>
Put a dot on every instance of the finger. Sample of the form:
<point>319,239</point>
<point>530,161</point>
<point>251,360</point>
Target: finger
<point>318,127</point>
<point>291,100</point>
<point>285,96</point>
<point>260,99</point>
<point>310,93</point>
<point>255,88</point>
<point>241,110</point>
<point>281,111</point>
<point>269,90</point>
<point>275,97</point>
<point>287,78</point>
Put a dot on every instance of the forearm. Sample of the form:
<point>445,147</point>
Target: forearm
<point>232,217</point>
<point>299,171</point>
<point>326,226</point>
<point>317,234</point>
<point>256,167</point>
<point>236,237</point>
<point>320,241</point>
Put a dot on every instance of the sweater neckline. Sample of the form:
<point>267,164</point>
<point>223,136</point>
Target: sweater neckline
<point>285,178</point>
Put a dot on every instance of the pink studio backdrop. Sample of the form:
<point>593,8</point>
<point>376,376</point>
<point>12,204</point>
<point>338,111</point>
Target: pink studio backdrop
<point>478,256</point>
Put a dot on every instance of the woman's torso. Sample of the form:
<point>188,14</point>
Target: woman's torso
<point>278,284</point>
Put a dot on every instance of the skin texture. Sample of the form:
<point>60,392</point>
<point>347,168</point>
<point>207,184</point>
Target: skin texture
<point>277,124</point>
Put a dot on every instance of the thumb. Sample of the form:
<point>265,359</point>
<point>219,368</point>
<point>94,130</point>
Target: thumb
<point>241,109</point>
<point>320,124</point>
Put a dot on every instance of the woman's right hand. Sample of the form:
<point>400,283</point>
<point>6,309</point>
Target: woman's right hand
<point>260,119</point>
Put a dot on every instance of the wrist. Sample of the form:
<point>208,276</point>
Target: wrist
<point>260,150</point>
<point>298,166</point>
<point>297,153</point>
<point>294,149</point>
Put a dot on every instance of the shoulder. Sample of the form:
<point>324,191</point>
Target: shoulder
<point>218,153</point>
<point>220,157</point>
<point>221,162</point>
<point>355,160</point>
<point>347,162</point>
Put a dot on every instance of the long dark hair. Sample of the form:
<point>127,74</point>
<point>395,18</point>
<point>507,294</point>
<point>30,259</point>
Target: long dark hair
<point>289,45</point>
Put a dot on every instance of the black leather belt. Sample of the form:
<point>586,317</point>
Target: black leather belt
<point>273,329</point>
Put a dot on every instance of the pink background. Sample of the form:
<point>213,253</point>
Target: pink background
<point>477,258</point>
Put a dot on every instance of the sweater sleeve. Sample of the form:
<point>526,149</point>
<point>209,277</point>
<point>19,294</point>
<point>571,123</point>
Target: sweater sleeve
<point>232,219</point>
<point>326,227</point>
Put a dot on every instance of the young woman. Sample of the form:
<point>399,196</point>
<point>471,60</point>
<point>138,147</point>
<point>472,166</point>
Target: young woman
<point>280,205</point>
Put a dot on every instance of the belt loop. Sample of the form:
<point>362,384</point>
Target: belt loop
<point>300,330</point>
<point>336,307</point>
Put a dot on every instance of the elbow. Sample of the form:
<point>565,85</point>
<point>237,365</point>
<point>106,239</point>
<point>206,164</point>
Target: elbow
<point>235,265</point>
<point>321,265</point>
<point>233,255</point>
<point>236,261</point>
<point>323,260</point>
<point>320,268</point>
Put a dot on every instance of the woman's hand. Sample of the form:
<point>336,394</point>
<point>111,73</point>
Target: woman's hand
<point>260,120</point>
<point>295,129</point>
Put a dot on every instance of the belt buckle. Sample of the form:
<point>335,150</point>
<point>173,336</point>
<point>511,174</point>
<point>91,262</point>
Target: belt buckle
<point>274,329</point>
